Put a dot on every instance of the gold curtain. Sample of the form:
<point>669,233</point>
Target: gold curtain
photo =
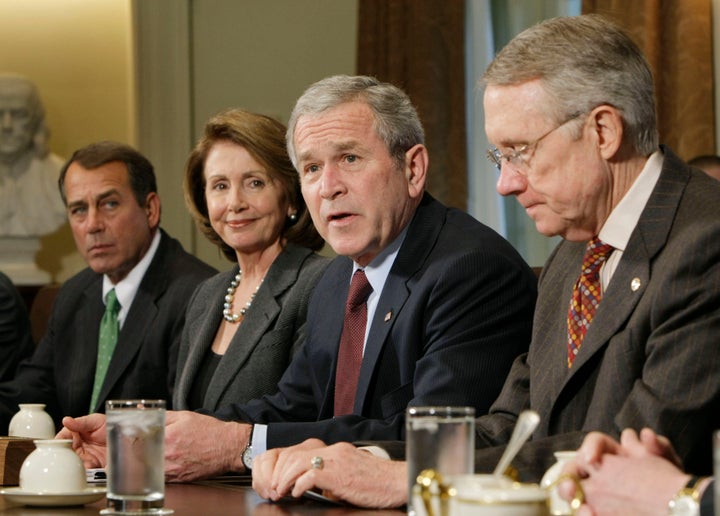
<point>419,45</point>
<point>676,37</point>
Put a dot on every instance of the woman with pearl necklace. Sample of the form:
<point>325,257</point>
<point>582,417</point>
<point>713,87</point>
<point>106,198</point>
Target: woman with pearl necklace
<point>243,325</point>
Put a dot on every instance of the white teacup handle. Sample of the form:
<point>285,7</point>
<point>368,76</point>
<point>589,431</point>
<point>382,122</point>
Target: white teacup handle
<point>578,497</point>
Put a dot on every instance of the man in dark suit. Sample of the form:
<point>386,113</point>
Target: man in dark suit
<point>570,108</point>
<point>113,208</point>
<point>15,336</point>
<point>450,306</point>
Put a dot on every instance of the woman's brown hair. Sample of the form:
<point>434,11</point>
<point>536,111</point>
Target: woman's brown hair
<point>264,138</point>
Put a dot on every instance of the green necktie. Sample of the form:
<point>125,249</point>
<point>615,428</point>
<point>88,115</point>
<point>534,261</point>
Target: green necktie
<point>109,329</point>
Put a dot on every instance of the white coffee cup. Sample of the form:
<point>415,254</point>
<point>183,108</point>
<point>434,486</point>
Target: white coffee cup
<point>481,495</point>
<point>558,506</point>
<point>32,421</point>
<point>53,468</point>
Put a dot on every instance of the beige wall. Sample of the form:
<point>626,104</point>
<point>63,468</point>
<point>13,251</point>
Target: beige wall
<point>82,54</point>
<point>261,55</point>
<point>78,53</point>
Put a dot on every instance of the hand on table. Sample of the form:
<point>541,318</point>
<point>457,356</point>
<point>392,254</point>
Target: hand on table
<point>89,438</point>
<point>348,473</point>
<point>597,444</point>
<point>199,446</point>
<point>638,475</point>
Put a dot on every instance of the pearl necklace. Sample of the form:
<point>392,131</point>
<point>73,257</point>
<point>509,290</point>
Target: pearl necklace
<point>227,307</point>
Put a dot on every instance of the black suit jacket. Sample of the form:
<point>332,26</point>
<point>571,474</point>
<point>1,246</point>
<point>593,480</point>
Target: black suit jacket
<point>15,336</point>
<point>652,354</point>
<point>61,372</point>
<point>455,311</point>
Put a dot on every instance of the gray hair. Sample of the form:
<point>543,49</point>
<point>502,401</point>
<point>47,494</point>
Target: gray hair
<point>397,123</point>
<point>583,62</point>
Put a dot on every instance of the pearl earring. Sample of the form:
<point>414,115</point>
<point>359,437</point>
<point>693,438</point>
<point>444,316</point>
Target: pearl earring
<point>293,217</point>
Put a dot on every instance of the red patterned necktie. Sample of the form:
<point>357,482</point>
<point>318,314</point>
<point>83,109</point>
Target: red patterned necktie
<point>351,344</point>
<point>586,295</point>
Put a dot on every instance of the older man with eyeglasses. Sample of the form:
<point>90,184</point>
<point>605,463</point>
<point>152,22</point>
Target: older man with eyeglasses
<point>628,316</point>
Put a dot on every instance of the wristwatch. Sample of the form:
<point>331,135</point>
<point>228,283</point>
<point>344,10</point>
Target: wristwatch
<point>247,454</point>
<point>687,500</point>
<point>247,457</point>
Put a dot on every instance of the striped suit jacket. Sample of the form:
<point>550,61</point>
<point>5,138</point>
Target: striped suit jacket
<point>651,357</point>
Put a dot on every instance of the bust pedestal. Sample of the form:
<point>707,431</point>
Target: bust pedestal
<point>17,260</point>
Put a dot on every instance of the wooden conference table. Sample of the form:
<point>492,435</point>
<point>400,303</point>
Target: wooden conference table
<point>208,498</point>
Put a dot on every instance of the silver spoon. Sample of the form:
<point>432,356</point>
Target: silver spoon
<point>525,426</point>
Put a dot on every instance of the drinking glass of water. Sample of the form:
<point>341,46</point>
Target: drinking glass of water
<point>441,439</point>
<point>135,457</point>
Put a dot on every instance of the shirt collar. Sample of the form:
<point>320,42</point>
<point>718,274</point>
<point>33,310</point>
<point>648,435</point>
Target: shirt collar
<point>126,288</point>
<point>622,220</point>
<point>378,269</point>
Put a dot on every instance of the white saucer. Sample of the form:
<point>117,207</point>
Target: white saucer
<point>87,495</point>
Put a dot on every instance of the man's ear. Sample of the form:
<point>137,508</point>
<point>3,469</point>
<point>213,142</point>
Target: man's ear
<point>607,123</point>
<point>152,209</point>
<point>416,164</point>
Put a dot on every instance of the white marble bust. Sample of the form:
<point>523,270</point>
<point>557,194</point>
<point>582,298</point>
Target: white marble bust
<point>30,203</point>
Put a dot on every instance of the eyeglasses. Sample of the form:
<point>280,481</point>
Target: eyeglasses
<point>515,156</point>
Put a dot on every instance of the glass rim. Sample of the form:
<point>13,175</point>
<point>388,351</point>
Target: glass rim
<point>440,410</point>
<point>139,403</point>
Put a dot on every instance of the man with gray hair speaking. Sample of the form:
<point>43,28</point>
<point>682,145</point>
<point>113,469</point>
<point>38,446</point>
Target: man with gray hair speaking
<point>626,327</point>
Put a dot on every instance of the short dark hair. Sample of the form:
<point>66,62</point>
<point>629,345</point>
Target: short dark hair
<point>140,170</point>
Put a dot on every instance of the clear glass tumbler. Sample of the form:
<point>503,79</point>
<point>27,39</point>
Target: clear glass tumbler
<point>135,457</point>
<point>438,438</point>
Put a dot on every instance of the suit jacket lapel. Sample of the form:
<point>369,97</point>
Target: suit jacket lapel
<point>419,241</point>
<point>264,312</point>
<point>142,313</point>
<point>202,332</point>
<point>327,333</point>
<point>633,272</point>
<point>394,296</point>
<point>87,345</point>
<point>548,354</point>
